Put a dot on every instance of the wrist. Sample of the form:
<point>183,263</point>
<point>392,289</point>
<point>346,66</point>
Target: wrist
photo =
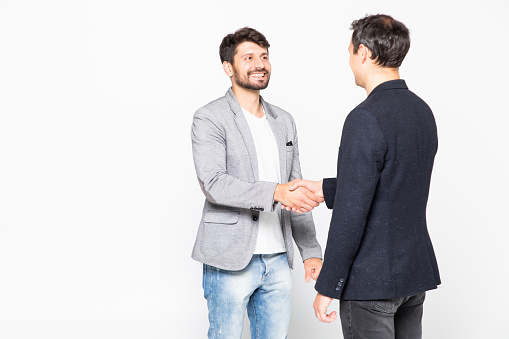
<point>278,193</point>
<point>320,191</point>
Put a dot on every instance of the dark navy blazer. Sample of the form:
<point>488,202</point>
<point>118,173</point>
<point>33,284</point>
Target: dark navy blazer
<point>378,245</point>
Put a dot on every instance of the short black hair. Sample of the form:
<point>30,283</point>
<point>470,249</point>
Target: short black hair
<point>230,42</point>
<point>386,38</point>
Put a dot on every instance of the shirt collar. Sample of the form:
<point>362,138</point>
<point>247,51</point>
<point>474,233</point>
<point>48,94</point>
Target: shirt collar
<point>391,84</point>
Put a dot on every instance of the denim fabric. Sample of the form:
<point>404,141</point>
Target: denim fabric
<point>382,319</point>
<point>263,287</point>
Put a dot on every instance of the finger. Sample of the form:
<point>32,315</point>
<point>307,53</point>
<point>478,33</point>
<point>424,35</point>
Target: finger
<point>316,273</point>
<point>303,207</point>
<point>330,317</point>
<point>315,198</point>
<point>308,205</point>
<point>323,315</point>
<point>293,183</point>
<point>298,183</point>
<point>305,202</point>
<point>307,276</point>
<point>310,198</point>
<point>301,201</point>
<point>298,211</point>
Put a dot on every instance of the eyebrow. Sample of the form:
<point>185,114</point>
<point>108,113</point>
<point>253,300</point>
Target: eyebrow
<point>264,53</point>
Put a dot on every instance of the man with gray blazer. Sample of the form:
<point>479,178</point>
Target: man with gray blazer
<point>246,158</point>
<point>379,260</point>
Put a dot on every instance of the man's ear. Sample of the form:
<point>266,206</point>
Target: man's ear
<point>364,53</point>
<point>228,68</point>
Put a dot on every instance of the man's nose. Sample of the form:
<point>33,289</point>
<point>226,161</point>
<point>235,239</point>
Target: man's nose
<point>258,63</point>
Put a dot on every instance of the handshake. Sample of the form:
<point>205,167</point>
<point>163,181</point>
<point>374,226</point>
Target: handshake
<point>299,195</point>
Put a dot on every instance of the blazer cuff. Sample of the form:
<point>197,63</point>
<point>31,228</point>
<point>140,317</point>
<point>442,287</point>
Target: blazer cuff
<point>315,252</point>
<point>329,191</point>
<point>332,288</point>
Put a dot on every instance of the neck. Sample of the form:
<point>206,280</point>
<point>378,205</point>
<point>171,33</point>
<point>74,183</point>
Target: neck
<point>379,75</point>
<point>249,100</point>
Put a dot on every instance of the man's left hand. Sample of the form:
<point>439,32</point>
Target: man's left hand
<point>320,305</point>
<point>312,266</point>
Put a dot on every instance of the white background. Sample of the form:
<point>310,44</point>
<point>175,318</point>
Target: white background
<point>99,203</point>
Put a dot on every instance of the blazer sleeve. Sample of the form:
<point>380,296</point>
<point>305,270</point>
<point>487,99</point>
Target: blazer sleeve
<point>360,161</point>
<point>303,226</point>
<point>209,153</point>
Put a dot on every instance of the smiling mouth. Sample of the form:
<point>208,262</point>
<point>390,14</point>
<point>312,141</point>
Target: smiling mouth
<point>257,75</point>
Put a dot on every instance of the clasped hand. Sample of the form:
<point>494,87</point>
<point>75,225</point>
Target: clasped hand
<point>299,195</point>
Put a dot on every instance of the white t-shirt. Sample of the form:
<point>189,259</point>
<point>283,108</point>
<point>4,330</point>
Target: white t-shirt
<point>270,235</point>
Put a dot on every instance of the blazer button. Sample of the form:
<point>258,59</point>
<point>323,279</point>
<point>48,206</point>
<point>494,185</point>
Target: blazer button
<point>255,218</point>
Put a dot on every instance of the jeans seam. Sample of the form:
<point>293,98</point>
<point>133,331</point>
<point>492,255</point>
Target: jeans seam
<point>255,320</point>
<point>350,318</point>
<point>209,294</point>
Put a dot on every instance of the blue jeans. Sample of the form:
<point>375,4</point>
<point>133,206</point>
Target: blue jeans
<point>263,287</point>
<point>382,319</point>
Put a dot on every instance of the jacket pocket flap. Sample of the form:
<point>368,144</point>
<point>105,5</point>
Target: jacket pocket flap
<point>221,217</point>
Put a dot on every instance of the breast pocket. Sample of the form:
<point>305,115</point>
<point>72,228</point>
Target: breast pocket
<point>227,217</point>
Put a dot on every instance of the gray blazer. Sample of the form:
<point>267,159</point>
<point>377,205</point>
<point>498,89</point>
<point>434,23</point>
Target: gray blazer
<point>227,170</point>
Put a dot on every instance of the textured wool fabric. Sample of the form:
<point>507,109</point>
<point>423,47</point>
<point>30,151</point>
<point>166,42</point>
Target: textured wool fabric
<point>378,245</point>
<point>227,169</point>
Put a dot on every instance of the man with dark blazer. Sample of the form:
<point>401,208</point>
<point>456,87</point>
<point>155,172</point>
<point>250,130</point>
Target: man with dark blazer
<point>379,260</point>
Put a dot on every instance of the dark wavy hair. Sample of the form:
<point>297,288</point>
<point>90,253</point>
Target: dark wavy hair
<point>228,46</point>
<point>386,38</point>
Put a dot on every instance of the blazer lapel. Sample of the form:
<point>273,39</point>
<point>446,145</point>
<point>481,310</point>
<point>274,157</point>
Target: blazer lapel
<point>280,134</point>
<point>243,127</point>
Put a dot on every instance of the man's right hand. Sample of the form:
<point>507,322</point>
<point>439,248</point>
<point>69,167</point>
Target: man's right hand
<point>312,186</point>
<point>300,199</point>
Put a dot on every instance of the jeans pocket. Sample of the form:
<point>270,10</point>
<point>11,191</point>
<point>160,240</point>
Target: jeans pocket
<point>386,306</point>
